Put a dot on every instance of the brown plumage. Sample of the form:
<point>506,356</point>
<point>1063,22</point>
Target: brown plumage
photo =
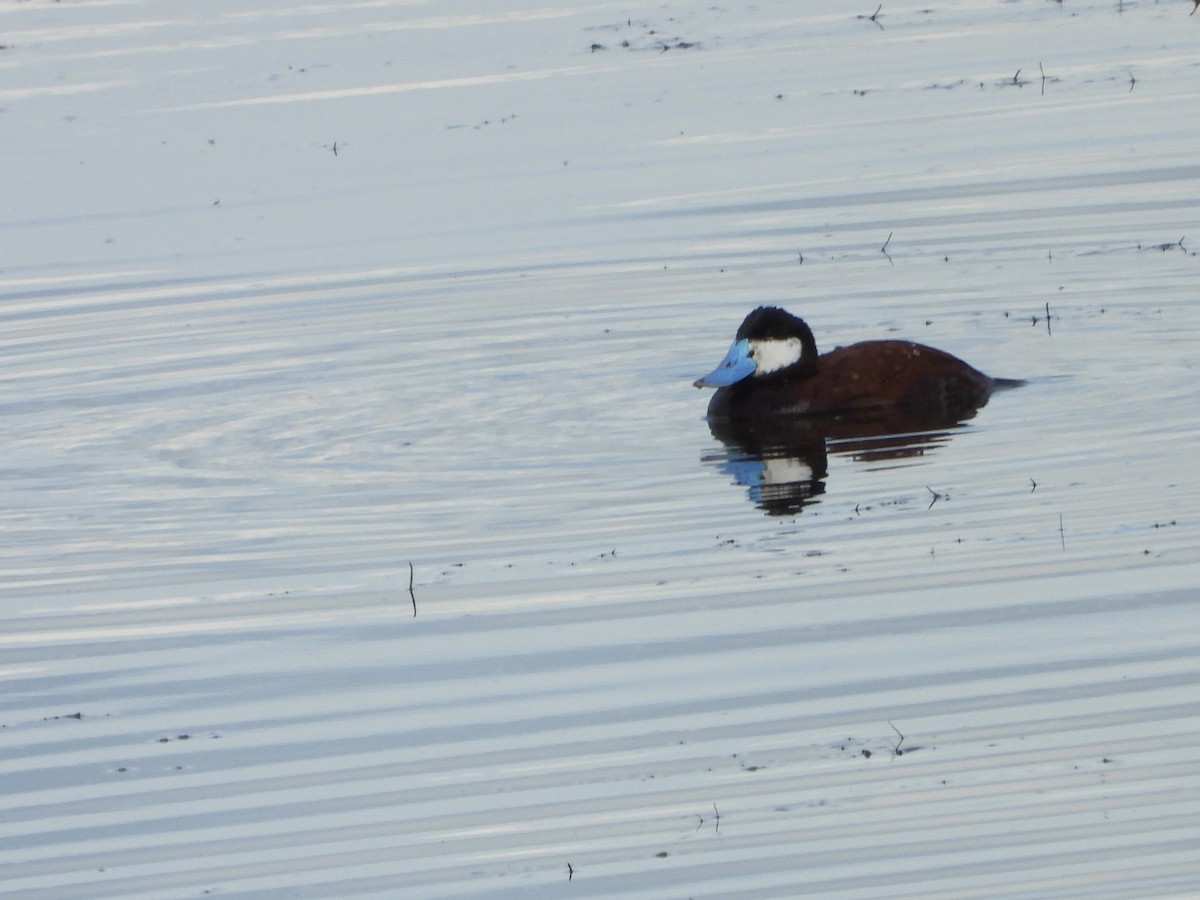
<point>867,378</point>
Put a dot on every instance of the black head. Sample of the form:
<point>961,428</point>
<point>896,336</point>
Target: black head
<point>770,323</point>
<point>771,343</point>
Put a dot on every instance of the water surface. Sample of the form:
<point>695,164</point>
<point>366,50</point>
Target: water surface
<point>250,380</point>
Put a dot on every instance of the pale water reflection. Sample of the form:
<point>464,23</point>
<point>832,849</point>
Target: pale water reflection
<point>431,294</point>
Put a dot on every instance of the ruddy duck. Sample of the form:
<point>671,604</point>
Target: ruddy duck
<point>773,369</point>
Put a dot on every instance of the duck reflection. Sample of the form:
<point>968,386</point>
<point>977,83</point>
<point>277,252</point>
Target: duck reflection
<point>783,463</point>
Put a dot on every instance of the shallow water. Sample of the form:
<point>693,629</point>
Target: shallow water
<point>249,381</point>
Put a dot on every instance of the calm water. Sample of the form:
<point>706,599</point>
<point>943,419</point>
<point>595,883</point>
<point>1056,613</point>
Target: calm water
<point>249,381</point>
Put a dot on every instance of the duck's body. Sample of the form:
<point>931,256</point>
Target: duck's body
<point>773,369</point>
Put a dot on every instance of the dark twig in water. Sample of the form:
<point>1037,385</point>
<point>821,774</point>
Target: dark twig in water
<point>1132,80</point>
<point>1169,245</point>
<point>1034,483</point>
<point>936,496</point>
<point>1061,534</point>
<point>1048,331</point>
<point>570,872</point>
<point>717,812</point>
<point>896,751</point>
<point>1043,71</point>
<point>883,249</point>
<point>411,574</point>
<point>874,17</point>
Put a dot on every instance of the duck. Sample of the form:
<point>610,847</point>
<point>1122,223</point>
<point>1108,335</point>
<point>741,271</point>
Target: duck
<point>773,370</point>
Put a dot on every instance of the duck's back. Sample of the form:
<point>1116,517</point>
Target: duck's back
<point>893,374</point>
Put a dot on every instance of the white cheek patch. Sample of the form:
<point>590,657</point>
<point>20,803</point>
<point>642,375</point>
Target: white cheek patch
<point>773,355</point>
<point>785,470</point>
